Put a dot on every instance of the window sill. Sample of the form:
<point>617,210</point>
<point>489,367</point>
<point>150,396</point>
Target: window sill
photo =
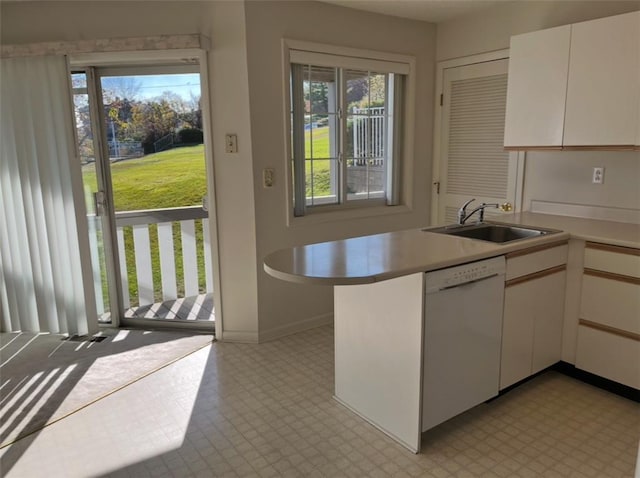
<point>346,215</point>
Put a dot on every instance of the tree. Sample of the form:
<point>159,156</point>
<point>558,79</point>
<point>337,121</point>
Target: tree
<point>366,90</point>
<point>122,87</point>
<point>120,112</point>
<point>318,97</point>
<point>194,114</point>
<point>153,120</point>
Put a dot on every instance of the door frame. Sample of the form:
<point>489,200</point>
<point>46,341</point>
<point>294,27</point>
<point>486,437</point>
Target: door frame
<point>161,58</point>
<point>437,129</point>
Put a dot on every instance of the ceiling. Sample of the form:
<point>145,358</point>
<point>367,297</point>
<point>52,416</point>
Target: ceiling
<point>434,11</point>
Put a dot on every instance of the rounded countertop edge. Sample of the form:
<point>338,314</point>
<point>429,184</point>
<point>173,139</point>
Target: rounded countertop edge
<point>486,252</point>
<point>315,280</point>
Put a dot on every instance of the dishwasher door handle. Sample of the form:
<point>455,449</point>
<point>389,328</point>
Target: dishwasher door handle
<point>470,282</point>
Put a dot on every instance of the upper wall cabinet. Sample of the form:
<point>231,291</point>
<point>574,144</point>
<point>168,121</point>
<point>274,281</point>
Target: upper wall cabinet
<point>576,87</point>
<point>604,82</point>
<point>537,88</point>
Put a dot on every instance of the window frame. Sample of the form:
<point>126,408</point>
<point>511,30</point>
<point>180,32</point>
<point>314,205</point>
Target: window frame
<point>365,60</point>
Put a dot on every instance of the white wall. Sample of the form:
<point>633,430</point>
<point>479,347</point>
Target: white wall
<point>565,177</point>
<point>491,29</point>
<point>286,307</point>
<point>223,22</point>
<point>551,176</point>
<point>246,88</point>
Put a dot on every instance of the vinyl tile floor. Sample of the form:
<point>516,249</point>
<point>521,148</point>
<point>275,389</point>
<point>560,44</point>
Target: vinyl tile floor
<point>238,410</point>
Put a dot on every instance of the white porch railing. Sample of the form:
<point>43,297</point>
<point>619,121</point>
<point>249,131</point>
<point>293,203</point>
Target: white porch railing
<point>368,136</point>
<point>167,248</point>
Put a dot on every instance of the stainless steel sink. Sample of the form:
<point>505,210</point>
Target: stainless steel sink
<point>497,233</point>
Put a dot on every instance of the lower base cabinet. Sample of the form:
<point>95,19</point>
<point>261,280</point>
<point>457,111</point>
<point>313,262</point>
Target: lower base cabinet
<point>608,343</point>
<point>609,355</point>
<point>533,313</point>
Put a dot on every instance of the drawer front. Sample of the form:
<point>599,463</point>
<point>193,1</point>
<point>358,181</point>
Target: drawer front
<point>611,302</point>
<point>616,260</point>
<point>523,263</point>
<point>608,355</point>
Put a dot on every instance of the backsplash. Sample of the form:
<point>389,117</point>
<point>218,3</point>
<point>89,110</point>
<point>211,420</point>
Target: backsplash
<point>590,212</point>
<point>561,183</point>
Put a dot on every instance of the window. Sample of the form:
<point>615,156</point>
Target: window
<point>346,125</point>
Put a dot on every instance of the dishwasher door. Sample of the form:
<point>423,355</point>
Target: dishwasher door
<point>462,338</point>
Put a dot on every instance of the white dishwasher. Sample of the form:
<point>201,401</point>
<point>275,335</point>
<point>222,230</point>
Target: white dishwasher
<point>462,338</point>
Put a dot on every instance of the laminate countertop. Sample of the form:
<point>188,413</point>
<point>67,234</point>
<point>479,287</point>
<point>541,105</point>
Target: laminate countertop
<point>595,230</point>
<point>374,258</point>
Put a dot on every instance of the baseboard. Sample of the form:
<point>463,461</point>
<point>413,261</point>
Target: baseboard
<point>598,381</point>
<point>570,370</point>
<point>299,326</point>
<point>238,336</point>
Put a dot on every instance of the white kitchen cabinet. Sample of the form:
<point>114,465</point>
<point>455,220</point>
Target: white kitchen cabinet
<point>537,88</point>
<point>608,341</point>
<point>604,82</point>
<point>533,312</point>
<point>576,86</point>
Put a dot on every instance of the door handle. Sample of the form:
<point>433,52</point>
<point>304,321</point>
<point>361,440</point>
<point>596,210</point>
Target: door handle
<point>100,203</point>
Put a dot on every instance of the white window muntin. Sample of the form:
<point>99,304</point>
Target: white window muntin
<point>339,197</point>
<point>399,174</point>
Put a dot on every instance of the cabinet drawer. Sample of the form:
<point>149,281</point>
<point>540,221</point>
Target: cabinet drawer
<point>611,302</point>
<point>608,355</point>
<point>521,263</point>
<point>614,259</point>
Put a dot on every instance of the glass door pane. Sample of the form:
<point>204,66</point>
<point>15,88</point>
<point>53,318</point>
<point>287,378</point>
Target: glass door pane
<point>153,127</point>
<point>90,176</point>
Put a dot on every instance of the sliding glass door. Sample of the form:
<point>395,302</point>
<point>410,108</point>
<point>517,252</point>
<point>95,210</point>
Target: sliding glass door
<point>141,143</point>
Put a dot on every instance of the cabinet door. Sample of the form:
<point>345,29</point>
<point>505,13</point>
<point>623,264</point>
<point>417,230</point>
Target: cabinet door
<point>613,303</point>
<point>604,82</point>
<point>532,325</point>
<point>609,355</point>
<point>517,334</point>
<point>536,92</point>
<point>547,336</point>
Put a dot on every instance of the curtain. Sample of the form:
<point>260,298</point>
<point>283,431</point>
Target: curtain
<point>44,285</point>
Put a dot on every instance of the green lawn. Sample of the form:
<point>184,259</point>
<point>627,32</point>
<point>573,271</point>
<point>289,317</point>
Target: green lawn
<point>174,178</point>
<point>177,178</point>
<point>316,144</point>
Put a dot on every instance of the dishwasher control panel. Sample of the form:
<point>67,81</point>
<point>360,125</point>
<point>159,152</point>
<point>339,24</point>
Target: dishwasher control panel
<point>463,274</point>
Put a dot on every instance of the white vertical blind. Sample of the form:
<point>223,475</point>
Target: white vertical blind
<point>43,284</point>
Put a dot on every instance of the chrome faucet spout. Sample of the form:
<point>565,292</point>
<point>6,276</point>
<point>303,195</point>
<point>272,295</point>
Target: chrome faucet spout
<point>463,216</point>
<point>462,212</point>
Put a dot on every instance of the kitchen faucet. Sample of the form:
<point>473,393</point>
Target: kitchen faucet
<point>463,216</point>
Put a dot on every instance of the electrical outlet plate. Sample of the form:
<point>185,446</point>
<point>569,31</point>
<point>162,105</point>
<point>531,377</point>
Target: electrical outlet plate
<point>267,177</point>
<point>231,143</point>
<point>598,175</point>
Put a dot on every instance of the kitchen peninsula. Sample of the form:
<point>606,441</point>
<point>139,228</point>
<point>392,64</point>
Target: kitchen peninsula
<point>379,292</point>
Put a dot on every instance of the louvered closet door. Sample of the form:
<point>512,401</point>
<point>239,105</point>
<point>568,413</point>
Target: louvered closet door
<point>473,161</point>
